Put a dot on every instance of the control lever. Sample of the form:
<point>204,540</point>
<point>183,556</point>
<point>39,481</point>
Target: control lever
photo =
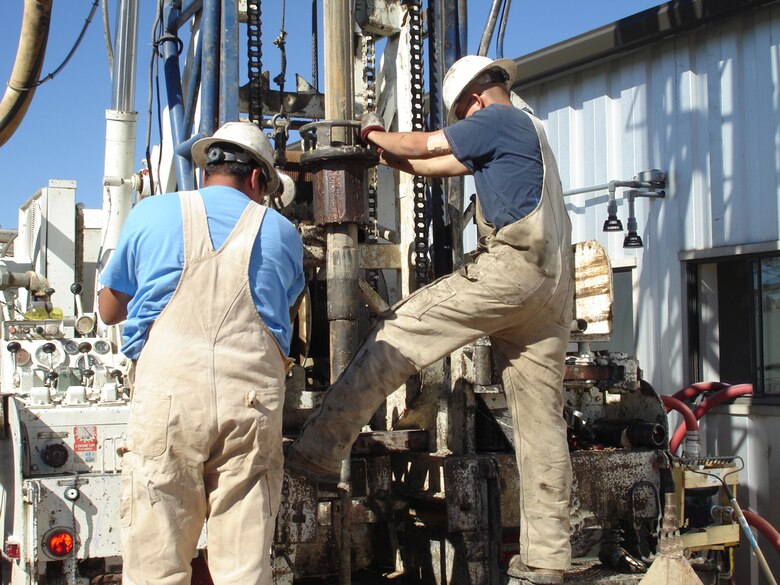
<point>47,294</point>
<point>14,347</point>
<point>76,289</point>
<point>51,376</point>
<point>84,348</point>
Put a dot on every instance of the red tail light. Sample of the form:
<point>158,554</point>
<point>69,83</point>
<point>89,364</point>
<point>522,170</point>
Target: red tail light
<point>59,543</point>
<point>12,550</point>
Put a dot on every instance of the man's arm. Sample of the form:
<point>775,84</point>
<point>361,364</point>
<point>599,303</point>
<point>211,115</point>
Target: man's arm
<point>411,144</point>
<point>112,305</point>
<point>438,166</point>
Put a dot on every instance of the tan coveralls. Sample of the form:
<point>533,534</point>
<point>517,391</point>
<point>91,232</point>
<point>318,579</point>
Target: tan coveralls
<point>520,292</point>
<point>204,434</point>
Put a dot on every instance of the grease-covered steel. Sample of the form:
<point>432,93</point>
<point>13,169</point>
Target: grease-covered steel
<point>339,193</point>
<point>339,172</point>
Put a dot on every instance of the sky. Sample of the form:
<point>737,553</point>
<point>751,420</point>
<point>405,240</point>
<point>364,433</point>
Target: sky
<point>63,133</point>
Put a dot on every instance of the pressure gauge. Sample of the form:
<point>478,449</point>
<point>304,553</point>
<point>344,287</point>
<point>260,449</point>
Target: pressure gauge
<point>70,347</point>
<point>102,346</point>
<point>87,361</point>
<point>49,356</point>
<point>85,324</point>
<point>23,358</point>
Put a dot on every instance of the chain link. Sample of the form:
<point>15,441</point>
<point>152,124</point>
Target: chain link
<point>254,58</point>
<point>369,72</point>
<point>369,96</point>
<point>422,262</point>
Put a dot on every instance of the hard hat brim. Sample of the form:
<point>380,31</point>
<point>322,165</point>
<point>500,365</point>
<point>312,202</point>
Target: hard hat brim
<point>201,147</point>
<point>508,66</point>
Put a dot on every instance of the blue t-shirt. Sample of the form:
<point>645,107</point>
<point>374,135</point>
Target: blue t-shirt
<point>149,257</point>
<point>500,146</point>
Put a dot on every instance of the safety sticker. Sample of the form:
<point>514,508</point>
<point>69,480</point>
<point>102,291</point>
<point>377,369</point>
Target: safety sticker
<point>85,439</point>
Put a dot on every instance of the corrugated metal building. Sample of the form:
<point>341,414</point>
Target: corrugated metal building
<point>691,88</point>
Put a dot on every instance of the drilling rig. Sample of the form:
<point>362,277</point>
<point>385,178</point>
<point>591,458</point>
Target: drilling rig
<point>431,492</point>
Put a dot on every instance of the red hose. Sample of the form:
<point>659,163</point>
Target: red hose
<point>695,389</point>
<point>765,528</point>
<point>727,393</point>
<point>672,403</point>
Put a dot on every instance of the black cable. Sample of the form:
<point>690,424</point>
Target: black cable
<point>152,67</point>
<point>502,29</point>
<point>73,49</point>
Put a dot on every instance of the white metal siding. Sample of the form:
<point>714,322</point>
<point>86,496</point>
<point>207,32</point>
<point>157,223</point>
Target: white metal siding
<point>702,106</point>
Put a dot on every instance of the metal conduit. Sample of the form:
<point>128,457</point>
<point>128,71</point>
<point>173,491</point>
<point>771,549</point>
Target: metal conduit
<point>123,94</point>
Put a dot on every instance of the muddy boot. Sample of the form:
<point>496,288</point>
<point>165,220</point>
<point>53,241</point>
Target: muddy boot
<point>521,574</point>
<point>298,464</point>
<point>327,437</point>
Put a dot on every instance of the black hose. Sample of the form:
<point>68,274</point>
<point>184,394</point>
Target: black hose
<point>502,29</point>
<point>75,46</point>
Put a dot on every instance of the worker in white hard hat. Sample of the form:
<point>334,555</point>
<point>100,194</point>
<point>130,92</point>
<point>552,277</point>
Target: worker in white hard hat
<point>204,281</point>
<point>518,290</point>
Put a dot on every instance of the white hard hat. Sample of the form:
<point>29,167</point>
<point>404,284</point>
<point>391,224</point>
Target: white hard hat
<point>465,71</point>
<point>250,139</point>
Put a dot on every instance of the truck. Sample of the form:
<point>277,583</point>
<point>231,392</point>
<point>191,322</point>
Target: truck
<point>431,495</point>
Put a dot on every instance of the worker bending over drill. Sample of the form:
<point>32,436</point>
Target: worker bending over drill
<point>518,290</point>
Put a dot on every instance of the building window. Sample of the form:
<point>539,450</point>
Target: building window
<point>735,333</point>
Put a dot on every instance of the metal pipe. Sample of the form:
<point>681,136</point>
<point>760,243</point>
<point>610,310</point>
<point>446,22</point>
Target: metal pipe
<point>487,34</point>
<point>611,186</point>
<point>193,85</point>
<point>455,46</point>
<point>121,123</point>
<point>170,52</point>
<point>228,63</point>
<point>343,306</point>
<point>339,85</point>
<point>27,66</point>
<point>342,265</point>
<point>123,96</point>
<point>188,10</point>
<point>118,195</point>
<point>463,30</point>
<point>209,88</point>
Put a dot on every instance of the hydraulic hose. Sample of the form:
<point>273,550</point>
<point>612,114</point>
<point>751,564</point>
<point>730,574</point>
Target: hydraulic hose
<point>727,393</point>
<point>765,528</point>
<point>695,389</point>
<point>690,426</point>
<point>27,67</point>
<point>671,403</point>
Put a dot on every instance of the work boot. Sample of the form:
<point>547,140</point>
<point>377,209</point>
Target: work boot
<point>522,574</point>
<point>298,464</point>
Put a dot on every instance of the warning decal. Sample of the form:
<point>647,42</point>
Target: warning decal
<point>84,439</point>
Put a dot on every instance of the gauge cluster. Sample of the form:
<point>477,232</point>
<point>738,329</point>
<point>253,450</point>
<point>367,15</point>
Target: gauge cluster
<point>51,368</point>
